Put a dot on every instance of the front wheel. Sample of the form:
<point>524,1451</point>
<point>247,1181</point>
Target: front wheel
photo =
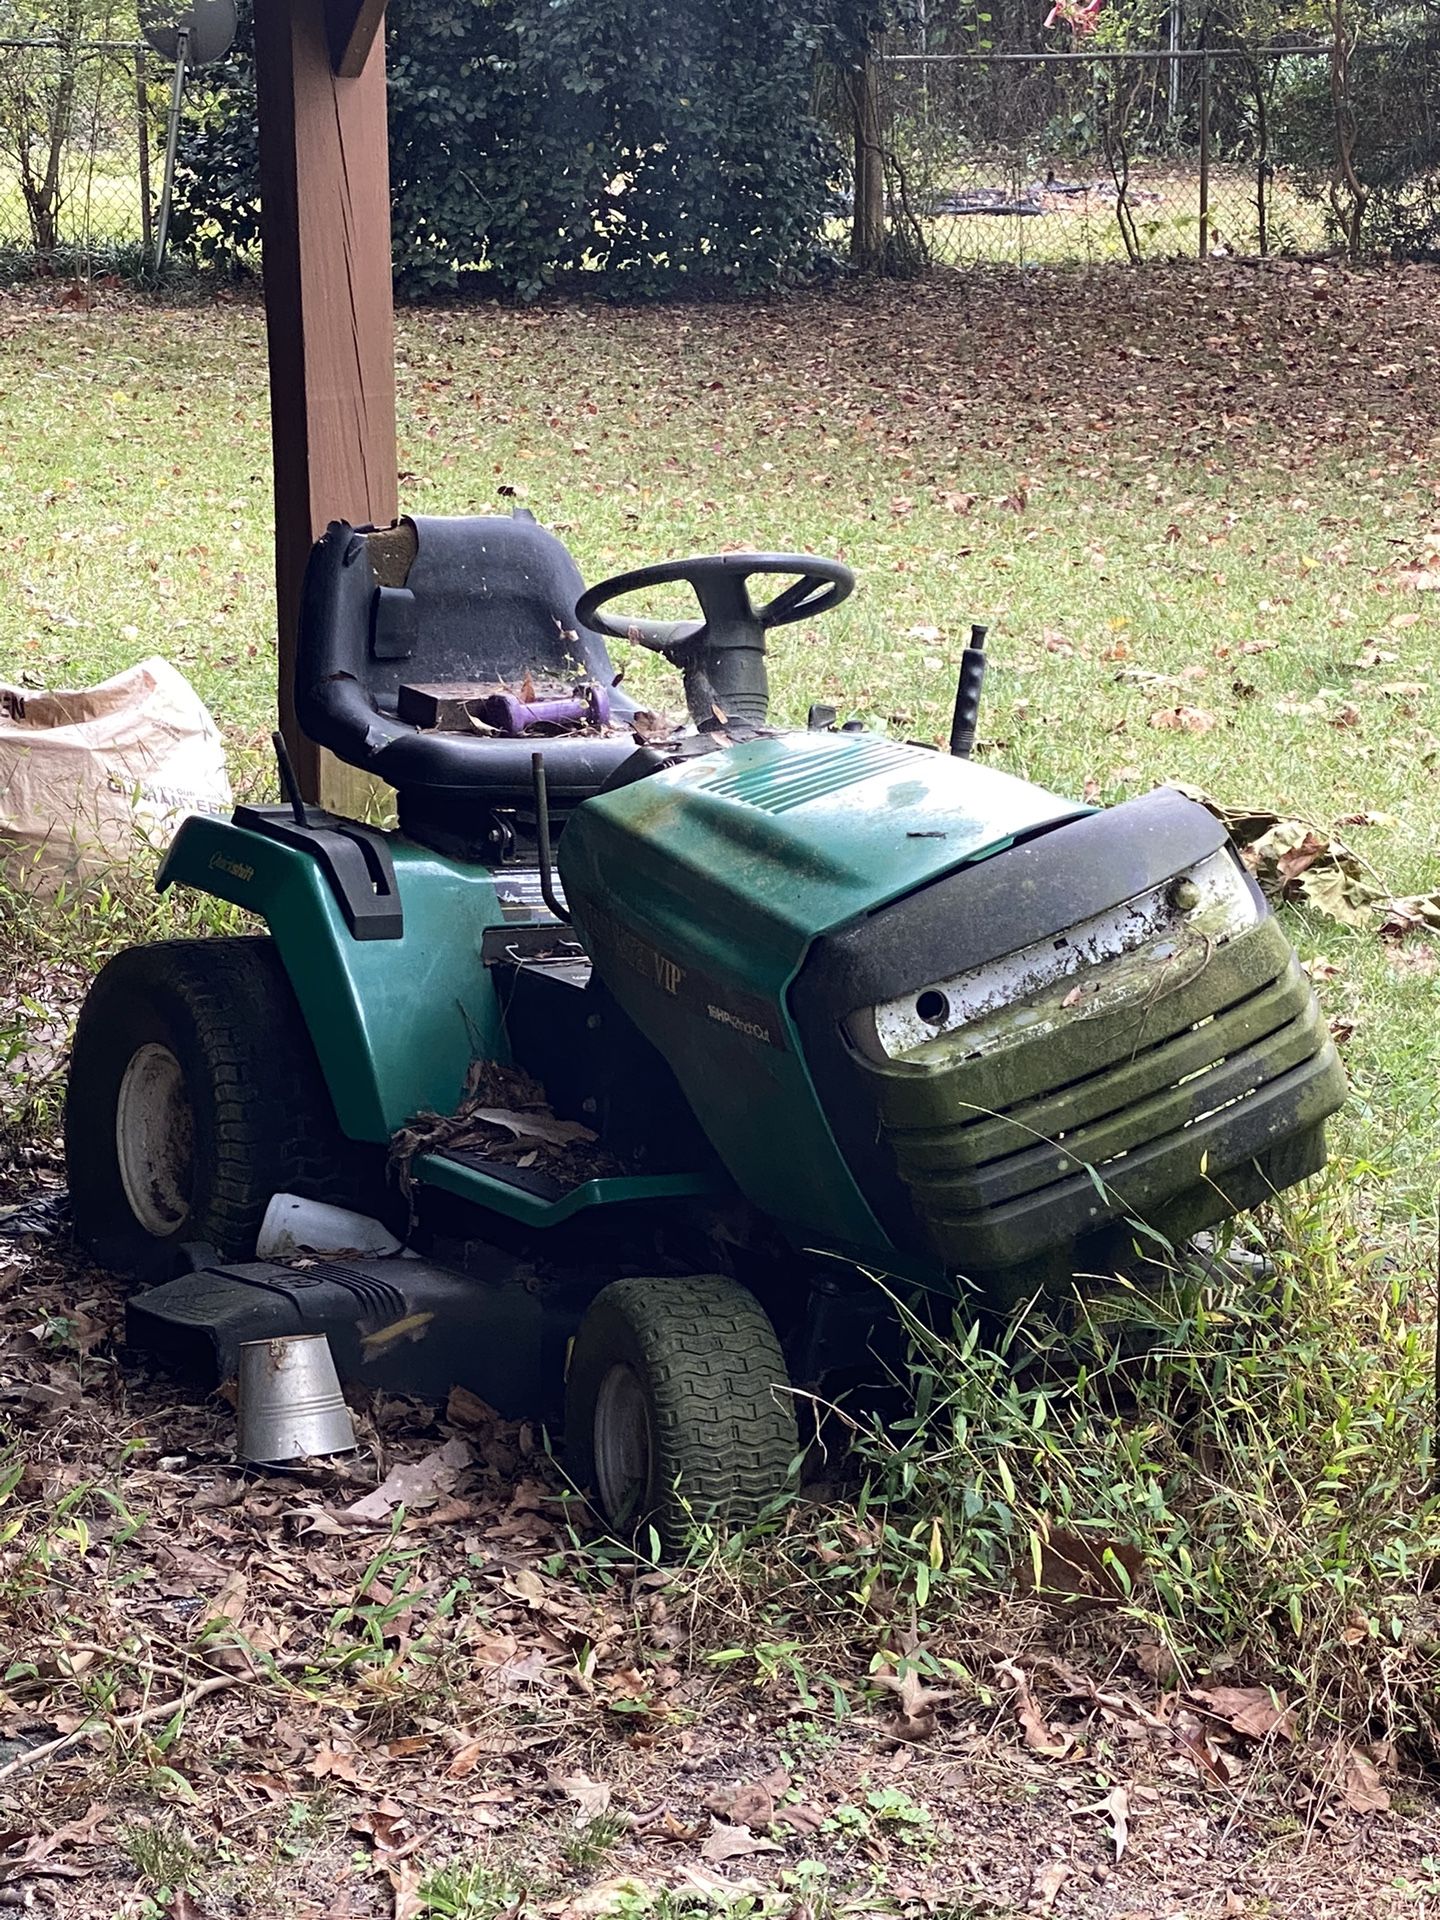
<point>678,1412</point>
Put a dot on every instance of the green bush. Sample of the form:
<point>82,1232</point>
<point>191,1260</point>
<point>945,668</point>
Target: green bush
<point>661,149</point>
<point>1395,88</point>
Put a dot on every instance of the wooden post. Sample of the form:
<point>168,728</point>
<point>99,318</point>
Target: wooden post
<point>325,231</point>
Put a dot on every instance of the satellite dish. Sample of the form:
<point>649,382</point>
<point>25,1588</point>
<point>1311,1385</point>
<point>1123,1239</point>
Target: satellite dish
<point>193,38</point>
<point>208,27</point>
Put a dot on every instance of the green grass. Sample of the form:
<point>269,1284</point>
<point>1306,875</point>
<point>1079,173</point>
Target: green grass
<point>1182,489</point>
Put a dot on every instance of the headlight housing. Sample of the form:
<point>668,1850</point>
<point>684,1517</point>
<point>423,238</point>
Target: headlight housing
<point>1159,939</point>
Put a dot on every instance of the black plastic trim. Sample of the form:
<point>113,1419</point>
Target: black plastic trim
<point>355,860</point>
<point>983,911</point>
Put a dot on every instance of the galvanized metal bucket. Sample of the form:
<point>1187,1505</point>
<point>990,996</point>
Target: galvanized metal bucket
<point>290,1400</point>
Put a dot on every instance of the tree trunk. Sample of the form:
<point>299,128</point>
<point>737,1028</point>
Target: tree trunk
<point>1348,193</point>
<point>867,234</point>
<point>44,196</point>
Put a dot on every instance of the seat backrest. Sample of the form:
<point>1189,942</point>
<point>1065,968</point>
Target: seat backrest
<point>480,598</point>
<point>447,602</point>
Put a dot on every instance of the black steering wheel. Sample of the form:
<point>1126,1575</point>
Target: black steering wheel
<point>722,655</point>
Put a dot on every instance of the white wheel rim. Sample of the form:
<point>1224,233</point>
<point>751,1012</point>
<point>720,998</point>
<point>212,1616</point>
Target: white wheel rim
<point>154,1139</point>
<point>622,1444</point>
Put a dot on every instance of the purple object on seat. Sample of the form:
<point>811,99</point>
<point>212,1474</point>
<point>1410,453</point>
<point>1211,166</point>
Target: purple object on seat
<point>587,706</point>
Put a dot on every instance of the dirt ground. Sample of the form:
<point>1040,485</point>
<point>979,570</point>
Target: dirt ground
<point>278,1708</point>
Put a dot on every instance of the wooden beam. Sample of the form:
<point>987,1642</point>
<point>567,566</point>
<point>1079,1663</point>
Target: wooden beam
<point>325,230</point>
<point>351,26</point>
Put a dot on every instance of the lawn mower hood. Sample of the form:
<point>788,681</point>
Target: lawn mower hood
<point>937,1019</point>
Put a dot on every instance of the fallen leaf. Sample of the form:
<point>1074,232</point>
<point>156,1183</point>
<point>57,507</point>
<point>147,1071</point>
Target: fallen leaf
<point>330,1765</point>
<point>591,1797</point>
<point>628,1682</point>
<point>229,1603</point>
<point>404,1877</point>
<point>1116,1807</point>
<point>1196,1747</point>
<point>1421,909</point>
<point>182,1906</point>
<point>623,1894</point>
<point>750,1804</point>
<point>1291,862</point>
<point>1038,1734</point>
<point>467,1758</point>
<point>1080,1571</point>
<point>1362,1787</point>
<point>1340,897</point>
<point>1155,1660</point>
<point>724,1842</point>
<point>1253,1712</point>
<point>533,1126</point>
<point>1184,719</point>
<point>412,1483</point>
<point>1046,1885</point>
<point>916,1718</point>
<point>318,1520</point>
<point>523,1583</point>
<point>720,1894</point>
<point>74,1833</point>
<point>467,1409</point>
<point>384,1825</point>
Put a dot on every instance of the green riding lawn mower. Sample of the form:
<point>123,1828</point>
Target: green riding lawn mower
<point>659,1046</point>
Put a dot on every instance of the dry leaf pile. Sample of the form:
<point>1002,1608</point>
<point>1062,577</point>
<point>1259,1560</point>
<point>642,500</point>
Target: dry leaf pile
<point>1296,861</point>
<point>505,1117</point>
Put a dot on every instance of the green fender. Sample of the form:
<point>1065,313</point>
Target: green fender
<point>395,1023</point>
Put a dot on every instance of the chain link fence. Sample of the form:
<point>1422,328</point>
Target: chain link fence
<point>77,129</point>
<point>1092,156</point>
<point>1014,157</point>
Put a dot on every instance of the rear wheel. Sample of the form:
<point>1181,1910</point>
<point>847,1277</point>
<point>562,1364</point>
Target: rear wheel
<point>195,1095</point>
<point>677,1407</point>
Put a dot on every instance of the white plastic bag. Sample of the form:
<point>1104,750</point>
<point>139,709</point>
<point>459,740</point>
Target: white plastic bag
<point>90,778</point>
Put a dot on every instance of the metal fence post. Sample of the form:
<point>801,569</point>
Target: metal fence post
<point>1205,154</point>
<point>142,130</point>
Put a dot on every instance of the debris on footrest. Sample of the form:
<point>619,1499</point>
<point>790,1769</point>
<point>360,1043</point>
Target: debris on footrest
<point>506,1117</point>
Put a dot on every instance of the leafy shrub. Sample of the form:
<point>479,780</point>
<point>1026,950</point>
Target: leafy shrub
<point>1395,90</point>
<point>664,149</point>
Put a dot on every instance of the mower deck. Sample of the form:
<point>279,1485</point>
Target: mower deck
<point>410,1326</point>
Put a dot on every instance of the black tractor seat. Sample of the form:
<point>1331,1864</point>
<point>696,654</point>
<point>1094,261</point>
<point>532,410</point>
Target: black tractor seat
<point>392,619</point>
